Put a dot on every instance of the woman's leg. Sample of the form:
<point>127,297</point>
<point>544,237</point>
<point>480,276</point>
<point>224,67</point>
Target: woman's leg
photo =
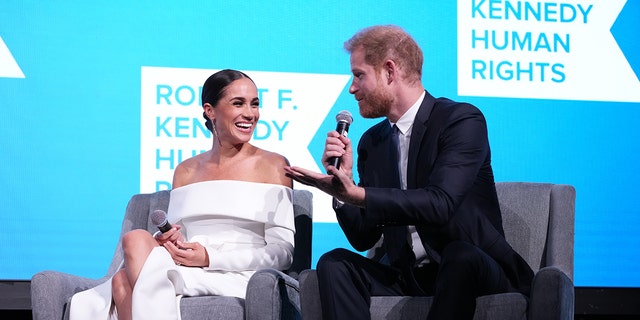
<point>136,245</point>
<point>121,292</point>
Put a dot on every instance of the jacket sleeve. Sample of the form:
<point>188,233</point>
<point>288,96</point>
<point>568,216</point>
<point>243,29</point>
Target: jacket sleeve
<point>357,227</point>
<point>361,234</point>
<point>277,251</point>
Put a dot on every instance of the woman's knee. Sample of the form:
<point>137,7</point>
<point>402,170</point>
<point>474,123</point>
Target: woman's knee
<point>135,239</point>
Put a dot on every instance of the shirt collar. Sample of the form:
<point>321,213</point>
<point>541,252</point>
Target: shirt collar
<point>406,120</point>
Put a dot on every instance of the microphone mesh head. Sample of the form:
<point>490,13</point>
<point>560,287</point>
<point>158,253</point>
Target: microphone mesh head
<point>158,217</point>
<point>345,116</point>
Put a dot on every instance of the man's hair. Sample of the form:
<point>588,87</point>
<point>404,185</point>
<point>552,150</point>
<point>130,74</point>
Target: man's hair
<point>389,42</point>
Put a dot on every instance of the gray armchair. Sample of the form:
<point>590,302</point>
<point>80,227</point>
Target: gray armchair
<point>538,220</point>
<point>271,294</point>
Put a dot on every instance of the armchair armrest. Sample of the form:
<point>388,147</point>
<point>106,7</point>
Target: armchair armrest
<point>51,292</point>
<point>310,295</point>
<point>552,296</point>
<point>272,294</point>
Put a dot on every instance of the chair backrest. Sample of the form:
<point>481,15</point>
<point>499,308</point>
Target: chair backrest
<point>538,222</point>
<point>139,208</point>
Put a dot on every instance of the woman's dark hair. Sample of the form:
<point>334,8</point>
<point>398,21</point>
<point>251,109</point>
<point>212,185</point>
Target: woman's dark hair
<point>213,89</point>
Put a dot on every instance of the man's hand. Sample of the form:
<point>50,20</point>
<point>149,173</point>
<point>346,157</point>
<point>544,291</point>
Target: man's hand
<point>338,146</point>
<point>336,183</point>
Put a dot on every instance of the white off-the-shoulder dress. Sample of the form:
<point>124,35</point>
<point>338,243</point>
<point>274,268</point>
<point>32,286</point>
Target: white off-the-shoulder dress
<point>244,226</point>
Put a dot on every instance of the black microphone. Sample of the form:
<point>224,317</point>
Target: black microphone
<point>159,218</point>
<point>344,119</point>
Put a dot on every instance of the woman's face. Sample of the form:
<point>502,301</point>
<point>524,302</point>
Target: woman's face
<point>236,114</point>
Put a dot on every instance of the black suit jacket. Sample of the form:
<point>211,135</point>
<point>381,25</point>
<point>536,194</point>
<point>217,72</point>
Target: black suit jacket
<point>450,192</point>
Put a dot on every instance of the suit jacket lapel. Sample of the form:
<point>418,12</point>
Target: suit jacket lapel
<point>418,131</point>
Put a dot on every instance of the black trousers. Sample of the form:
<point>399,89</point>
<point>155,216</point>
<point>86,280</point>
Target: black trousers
<point>347,280</point>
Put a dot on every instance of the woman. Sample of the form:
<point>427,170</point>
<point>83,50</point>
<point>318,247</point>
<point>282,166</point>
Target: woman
<point>231,212</point>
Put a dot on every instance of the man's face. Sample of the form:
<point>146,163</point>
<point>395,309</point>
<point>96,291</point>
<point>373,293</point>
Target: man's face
<point>369,87</point>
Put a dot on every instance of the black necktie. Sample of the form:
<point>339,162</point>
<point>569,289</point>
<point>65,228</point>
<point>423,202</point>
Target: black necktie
<point>395,141</point>
<point>396,238</point>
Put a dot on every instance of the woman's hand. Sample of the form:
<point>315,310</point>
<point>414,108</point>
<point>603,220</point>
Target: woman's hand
<point>190,254</point>
<point>173,235</point>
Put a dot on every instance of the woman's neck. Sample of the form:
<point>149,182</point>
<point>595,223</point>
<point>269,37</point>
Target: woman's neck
<point>221,152</point>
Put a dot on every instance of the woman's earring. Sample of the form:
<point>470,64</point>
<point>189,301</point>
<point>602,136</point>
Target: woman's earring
<point>215,132</point>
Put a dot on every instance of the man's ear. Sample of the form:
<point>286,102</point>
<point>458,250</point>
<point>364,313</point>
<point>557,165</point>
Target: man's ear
<point>390,71</point>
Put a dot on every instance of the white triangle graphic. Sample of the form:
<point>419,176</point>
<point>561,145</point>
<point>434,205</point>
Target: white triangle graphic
<point>8,66</point>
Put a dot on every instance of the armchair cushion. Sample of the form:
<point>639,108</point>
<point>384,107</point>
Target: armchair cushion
<point>508,305</point>
<point>212,307</point>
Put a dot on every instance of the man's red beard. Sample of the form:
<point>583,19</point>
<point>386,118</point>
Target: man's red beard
<point>376,104</point>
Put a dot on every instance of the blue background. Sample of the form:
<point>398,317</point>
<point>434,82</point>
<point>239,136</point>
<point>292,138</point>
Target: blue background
<point>70,131</point>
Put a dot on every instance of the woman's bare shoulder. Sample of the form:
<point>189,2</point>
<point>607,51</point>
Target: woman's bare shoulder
<point>271,167</point>
<point>273,157</point>
<point>185,171</point>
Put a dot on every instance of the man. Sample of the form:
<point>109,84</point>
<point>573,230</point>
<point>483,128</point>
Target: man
<point>427,186</point>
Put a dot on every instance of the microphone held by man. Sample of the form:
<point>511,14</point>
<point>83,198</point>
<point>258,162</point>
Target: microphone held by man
<point>343,119</point>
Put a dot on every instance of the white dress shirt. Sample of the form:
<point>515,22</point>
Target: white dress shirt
<point>405,125</point>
